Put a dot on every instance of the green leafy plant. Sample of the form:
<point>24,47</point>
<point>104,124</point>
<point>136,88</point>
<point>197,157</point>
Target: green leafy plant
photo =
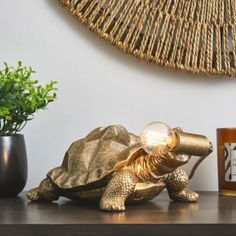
<point>21,97</point>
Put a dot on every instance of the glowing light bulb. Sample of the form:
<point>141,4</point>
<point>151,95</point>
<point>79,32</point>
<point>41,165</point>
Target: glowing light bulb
<point>156,137</point>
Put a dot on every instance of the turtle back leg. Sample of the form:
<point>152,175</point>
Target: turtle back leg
<point>46,191</point>
<point>119,188</point>
<point>176,185</point>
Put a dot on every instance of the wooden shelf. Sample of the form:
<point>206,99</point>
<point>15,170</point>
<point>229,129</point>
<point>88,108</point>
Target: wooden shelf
<point>211,215</point>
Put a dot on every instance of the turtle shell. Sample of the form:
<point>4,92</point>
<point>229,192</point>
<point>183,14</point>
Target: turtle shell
<point>93,158</point>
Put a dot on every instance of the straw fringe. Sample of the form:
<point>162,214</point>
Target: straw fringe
<point>197,36</point>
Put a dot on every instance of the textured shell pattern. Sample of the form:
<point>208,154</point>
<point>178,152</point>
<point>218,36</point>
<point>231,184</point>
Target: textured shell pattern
<point>94,157</point>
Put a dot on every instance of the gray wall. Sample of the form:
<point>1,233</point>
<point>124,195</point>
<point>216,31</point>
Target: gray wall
<point>101,85</point>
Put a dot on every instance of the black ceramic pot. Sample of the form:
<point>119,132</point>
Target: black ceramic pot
<point>13,165</point>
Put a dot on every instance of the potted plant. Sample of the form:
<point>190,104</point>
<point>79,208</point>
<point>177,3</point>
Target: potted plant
<point>20,98</point>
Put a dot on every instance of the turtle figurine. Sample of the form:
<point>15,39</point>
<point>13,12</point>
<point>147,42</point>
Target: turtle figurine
<point>111,167</point>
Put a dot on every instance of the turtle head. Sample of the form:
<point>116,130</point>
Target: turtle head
<point>191,144</point>
<point>185,146</point>
<point>158,138</point>
<point>173,147</point>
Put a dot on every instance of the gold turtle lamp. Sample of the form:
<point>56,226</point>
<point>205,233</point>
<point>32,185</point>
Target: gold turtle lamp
<point>114,167</point>
<point>197,36</point>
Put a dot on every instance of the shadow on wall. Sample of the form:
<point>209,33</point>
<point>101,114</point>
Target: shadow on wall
<point>149,69</point>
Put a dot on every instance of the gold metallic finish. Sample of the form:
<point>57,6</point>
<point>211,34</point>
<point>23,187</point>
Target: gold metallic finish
<point>191,144</point>
<point>110,166</point>
<point>197,36</point>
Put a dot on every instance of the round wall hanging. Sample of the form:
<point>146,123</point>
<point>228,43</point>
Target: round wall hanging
<point>197,36</point>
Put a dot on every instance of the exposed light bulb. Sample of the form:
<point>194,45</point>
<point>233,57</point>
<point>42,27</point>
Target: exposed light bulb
<point>156,137</point>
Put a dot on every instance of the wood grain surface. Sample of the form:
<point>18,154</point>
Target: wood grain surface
<point>211,215</point>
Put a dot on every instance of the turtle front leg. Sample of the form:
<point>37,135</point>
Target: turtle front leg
<point>176,185</point>
<point>45,192</point>
<point>117,191</point>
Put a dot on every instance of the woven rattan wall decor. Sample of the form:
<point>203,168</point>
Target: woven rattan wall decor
<point>197,36</point>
